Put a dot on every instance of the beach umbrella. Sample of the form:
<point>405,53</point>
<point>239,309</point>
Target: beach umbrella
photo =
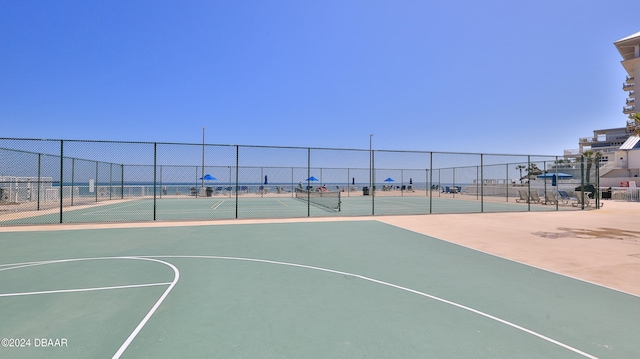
<point>208,177</point>
<point>389,179</point>
<point>312,179</point>
<point>353,180</point>
<point>554,177</point>
<point>265,180</point>
<point>557,175</point>
<point>410,180</point>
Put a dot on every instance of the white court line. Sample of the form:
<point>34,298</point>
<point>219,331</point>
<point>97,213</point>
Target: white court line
<point>215,206</point>
<point>83,289</point>
<point>144,320</point>
<point>403,204</point>
<point>486,315</point>
<point>177,276</point>
<point>110,209</point>
<point>282,203</point>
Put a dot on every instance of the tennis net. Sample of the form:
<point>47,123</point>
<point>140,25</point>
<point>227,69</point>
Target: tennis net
<point>330,200</point>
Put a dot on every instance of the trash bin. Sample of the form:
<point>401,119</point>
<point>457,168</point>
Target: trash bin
<point>365,191</point>
<point>606,193</point>
<point>209,191</point>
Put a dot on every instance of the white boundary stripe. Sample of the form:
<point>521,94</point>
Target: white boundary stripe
<point>144,320</point>
<point>83,289</point>
<point>215,206</point>
<point>155,307</point>
<point>111,209</point>
<point>142,323</point>
<point>486,315</point>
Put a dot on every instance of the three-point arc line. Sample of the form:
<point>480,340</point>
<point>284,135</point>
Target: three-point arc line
<point>177,276</point>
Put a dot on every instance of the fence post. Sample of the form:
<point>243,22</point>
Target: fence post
<point>308,180</point>
<point>61,176</point>
<point>155,180</point>
<point>544,171</point>
<point>39,186</point>
<point>478,180</point>
<point>582,180</point>
<point>454,183</point>
<point>122,181</point>
<point>528,182</point>
<point>373,183</point>
<point>507,181</point>
<point>597,186</point>
<point>73,169</point>
<point>431,183</point>
<point>237,173</point>
<point>96,183</point>
<point>481,183</point>
<point>110,180</point>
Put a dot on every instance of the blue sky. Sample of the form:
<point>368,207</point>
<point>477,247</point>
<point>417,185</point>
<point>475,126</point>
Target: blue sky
<point>465,76</point>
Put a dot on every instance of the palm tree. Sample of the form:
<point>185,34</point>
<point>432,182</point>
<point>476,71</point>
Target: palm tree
<point>520,167</point>
<point>589,156</point>
<point>533,170</point>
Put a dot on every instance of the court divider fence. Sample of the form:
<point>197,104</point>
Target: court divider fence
<point>71,181</point>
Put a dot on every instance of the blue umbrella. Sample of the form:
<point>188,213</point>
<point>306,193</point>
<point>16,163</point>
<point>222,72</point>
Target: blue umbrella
<point>312,179</point>
<point>554,176</point>
<point>557,175</point>
<point>208,177</point>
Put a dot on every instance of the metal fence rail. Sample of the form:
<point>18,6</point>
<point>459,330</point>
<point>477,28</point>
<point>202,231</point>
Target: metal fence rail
<point>68,181</point>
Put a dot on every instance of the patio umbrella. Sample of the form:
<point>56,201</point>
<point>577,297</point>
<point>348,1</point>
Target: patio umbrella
<point>410,180</point>
<point>557,175</point>
<point>208,177</point>
<point>265,180</point>
<point>554,177</point>
<point>389,180</point>
<point>353,180</point>
<point>312,179</point>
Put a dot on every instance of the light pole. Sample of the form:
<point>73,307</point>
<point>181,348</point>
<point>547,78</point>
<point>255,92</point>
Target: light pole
<point>371,162</point>
<point>202,158</point>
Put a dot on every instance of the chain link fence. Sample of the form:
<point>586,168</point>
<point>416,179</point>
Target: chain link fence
<point>73,181</point>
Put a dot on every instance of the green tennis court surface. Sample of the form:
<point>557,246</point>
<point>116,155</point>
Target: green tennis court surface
<point>348,289</point>
<point>267,207</point>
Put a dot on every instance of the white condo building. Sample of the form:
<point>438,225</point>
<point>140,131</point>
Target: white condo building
<point>618,148</point>
<point>629,48</point>
<point>626,160</point>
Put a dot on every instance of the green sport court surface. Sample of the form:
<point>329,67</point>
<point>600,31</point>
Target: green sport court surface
<point>266,207</point>
<point>339,289</point>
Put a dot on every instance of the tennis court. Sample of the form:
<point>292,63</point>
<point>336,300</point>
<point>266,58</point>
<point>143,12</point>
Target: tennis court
<point>275,206</point>
<point>331,287</point>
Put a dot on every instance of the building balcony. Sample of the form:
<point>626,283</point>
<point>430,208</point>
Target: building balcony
<point>627,110</point>
<point>627,86</point>
<point>631,101</point>
<point>630,79</point>
<point>632,94</point>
